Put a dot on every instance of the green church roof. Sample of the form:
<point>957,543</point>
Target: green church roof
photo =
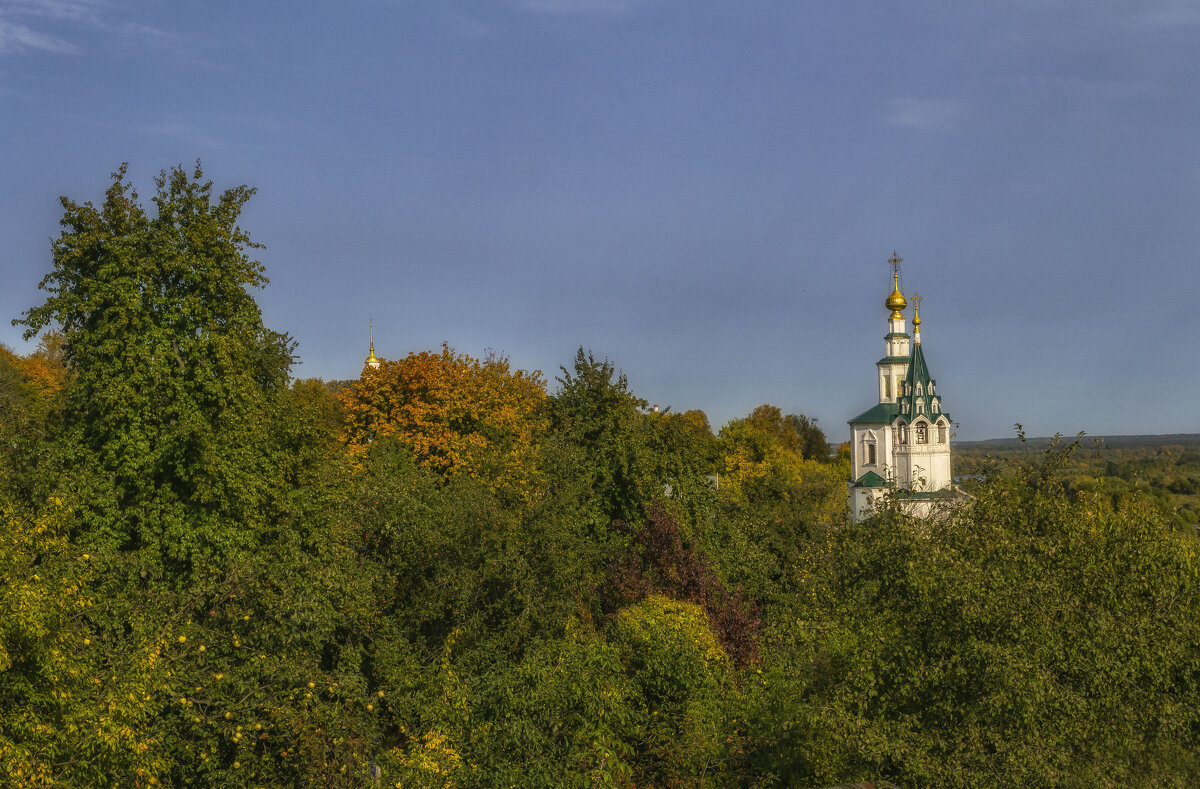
<point>870,480</point>
<point>881,414</point>
<point>918,380</point>
<point>918,371</point>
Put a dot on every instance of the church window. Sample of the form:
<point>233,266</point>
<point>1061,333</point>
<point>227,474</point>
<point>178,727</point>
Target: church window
<point>935,405</point>
<point>887,388</point>
<point>903,434</point>
<point>870,454</point>
<point>922,434</point>
<point>942,433</point>
<point>920,390</point>
<point>920,406</point>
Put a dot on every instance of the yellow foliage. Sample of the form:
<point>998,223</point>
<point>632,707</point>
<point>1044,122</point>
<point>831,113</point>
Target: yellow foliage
<point>756,463</point>
<point>458,415</point>
<point>430,761</point>
<point>39,612</point>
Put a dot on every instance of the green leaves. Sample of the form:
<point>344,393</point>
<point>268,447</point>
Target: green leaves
<point>1029,638</point>
<point>174,375</point>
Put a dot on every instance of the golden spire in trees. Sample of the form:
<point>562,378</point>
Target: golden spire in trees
<point>372,362</point>
<point>896,301</point>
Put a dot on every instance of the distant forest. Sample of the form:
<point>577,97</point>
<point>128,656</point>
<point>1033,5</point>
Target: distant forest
<point>1164,469</point>
<point>454,573</point>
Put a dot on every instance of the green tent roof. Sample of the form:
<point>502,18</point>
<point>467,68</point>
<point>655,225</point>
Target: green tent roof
<point>918,375</point>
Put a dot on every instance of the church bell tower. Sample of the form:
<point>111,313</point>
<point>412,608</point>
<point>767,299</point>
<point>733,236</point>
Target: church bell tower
<point>900,447</point>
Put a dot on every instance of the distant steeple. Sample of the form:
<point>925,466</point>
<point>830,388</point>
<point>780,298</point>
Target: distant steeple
<point>917,299</point>
<point>371,361</point>
<point>919,395</point>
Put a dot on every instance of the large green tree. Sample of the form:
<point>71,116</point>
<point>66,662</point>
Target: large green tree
<point>166,420</point>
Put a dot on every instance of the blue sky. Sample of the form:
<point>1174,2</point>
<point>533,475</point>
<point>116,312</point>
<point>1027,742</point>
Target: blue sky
<point>704,192</point>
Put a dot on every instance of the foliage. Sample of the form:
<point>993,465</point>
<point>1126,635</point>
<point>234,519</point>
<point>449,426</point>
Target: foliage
<point>1165,470</point>
<point>762,463</point>
<point>458,415</point>
<point>1033,639</point>
<point>661,563</point>
<point>794,433</point>
<point>439,576</point>
<point>594,412</point>
<point>172,370</point>
<point>684,678</point>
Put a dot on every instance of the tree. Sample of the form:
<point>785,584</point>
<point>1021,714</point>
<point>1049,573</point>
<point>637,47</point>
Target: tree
<point>195,599</point>
<point>458,415</point>
<point>765,462</point>
<point>1031,640</point>
<point>792,433</point>
<point>173,371</point>
<point>594,411</point>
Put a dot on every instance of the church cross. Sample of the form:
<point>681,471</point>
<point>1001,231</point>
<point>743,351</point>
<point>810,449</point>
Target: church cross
<point>895,260</point>
<point>917,299</point>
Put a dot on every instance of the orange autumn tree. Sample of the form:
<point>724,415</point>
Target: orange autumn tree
<point>46,368</point>
<point>458,414</point>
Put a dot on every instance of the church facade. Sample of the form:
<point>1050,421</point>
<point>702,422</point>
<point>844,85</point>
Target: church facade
<point>900,447</point>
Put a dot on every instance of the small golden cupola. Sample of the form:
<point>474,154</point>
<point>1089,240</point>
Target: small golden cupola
<point>371,361</point>
<point>917,299</point>
<point>896,302</point>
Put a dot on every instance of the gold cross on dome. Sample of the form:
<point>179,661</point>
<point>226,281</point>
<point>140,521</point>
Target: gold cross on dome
<point>895,260</point>
<point>917,298</point>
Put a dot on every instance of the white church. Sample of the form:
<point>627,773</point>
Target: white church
<point>900,447</point>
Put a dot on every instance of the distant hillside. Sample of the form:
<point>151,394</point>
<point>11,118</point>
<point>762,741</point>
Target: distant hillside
<point>993,445</point>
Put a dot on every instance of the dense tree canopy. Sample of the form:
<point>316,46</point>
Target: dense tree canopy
<point>441,575</point>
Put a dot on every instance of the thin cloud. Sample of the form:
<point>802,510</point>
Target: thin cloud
<point>73,10</point>
<point>19,38</point>
<point>49,25</point>
<point>924,114</point>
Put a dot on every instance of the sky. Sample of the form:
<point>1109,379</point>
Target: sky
<point>705,193</point>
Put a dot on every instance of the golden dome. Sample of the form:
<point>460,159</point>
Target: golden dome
<point>371,360</point>
<point>896,301</point>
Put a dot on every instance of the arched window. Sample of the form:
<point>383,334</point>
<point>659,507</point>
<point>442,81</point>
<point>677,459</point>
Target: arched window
<point>920,406</point>
<point>922,434</point>
<point>942,433</point>
<point>920,390</point>
<point>934,405</point>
